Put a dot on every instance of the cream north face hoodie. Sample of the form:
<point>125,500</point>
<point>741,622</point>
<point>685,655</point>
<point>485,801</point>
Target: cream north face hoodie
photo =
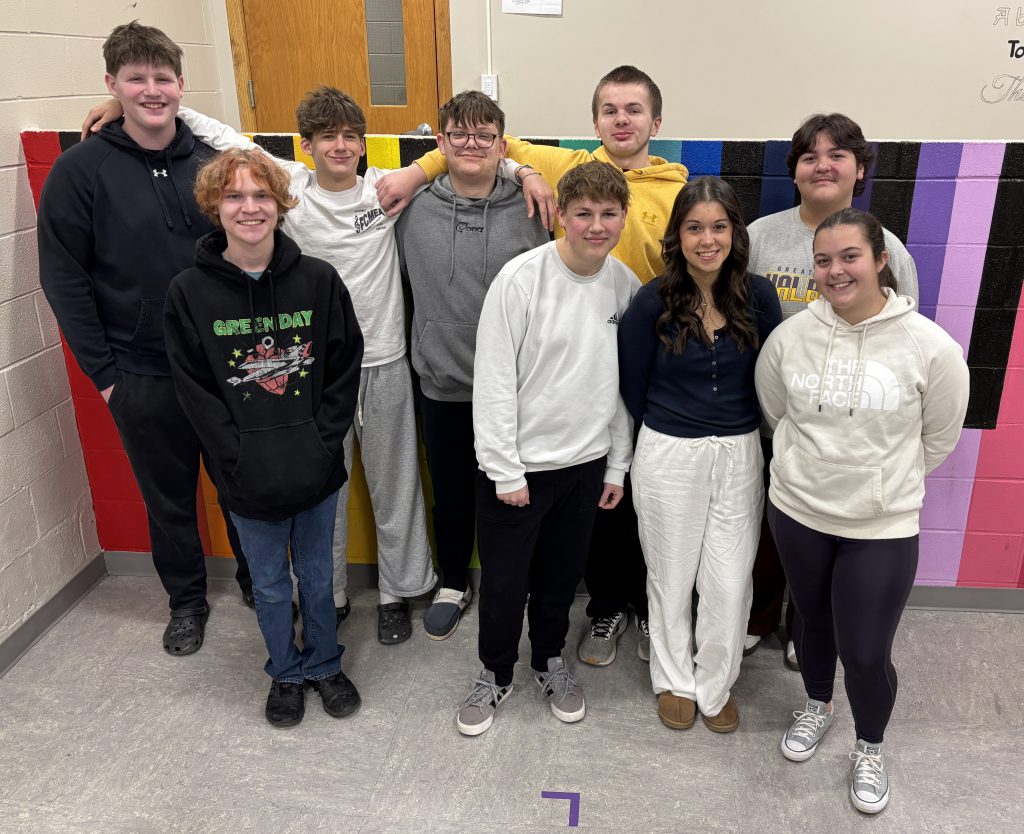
<point>860,415</point>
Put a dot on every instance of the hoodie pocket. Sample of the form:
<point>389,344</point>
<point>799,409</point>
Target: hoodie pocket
<point>830,490</point>
<point>149,327</point>
<point>281,466</point>
<point>444,353</point>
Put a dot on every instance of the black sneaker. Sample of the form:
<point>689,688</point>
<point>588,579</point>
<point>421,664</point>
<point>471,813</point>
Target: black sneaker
<point>286,704</point>
<point>338,694</point>
<point>341,614</point>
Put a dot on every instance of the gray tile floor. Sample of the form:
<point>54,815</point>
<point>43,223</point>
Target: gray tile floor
<point>103,732</point>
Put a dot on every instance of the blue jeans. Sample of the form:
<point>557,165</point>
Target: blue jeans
<point>265,543</point>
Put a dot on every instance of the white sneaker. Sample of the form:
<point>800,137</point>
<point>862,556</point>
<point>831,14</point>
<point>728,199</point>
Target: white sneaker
<point>597,648</point>
<point>869,785</point>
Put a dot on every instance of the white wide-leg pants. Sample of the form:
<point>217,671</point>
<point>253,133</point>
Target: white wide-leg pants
<point>699,504</point>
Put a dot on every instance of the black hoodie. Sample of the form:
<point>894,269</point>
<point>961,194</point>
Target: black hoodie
<point>267,372</point>
<point>116,224</point>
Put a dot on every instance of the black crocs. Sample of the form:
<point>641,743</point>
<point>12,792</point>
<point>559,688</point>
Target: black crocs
<point>184,633</point>
<point>393,623</point>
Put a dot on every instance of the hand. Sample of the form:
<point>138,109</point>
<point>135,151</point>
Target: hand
<point>395,190</point>
<point>519,498</point>
<point>109,111</point>
<point>538,194</point>
<point>106,392</point>
<point>611,497</point>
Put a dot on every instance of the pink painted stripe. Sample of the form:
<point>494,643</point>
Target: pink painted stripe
<point>971,220</point>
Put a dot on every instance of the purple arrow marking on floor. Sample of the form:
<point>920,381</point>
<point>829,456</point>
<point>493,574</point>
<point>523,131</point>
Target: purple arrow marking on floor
<point>574,804</point>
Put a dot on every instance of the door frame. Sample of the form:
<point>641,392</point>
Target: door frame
<point>240,58</point>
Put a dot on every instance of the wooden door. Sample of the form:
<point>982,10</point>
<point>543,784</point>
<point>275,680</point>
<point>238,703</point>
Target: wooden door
<point>287,48</point>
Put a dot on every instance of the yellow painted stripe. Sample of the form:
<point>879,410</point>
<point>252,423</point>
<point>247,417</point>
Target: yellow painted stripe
<point>383,152</point>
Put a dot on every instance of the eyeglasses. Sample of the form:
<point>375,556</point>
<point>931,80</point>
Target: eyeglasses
<point>459,139</point>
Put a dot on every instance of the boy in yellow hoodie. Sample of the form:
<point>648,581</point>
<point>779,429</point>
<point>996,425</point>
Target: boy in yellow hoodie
<point>626,108</point>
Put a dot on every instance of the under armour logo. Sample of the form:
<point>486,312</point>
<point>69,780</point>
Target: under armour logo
<point>159,172</point>
<point>614,319</point>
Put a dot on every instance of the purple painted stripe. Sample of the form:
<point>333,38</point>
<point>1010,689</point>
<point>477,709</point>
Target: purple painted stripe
<point>930,215</point>
<point>968,238</point>
<point>942,541</point>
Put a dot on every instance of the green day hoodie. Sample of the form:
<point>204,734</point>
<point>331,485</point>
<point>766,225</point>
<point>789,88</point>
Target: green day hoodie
<point>860,415</point>
<point>267,372</point>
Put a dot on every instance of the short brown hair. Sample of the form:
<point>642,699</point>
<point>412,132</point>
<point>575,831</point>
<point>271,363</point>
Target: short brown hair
<point>843,131</point>
<point>328,108</point>
<point>215,176</point>
<point>133,43</point>
<point>627,74</point>
<point>593,181</point>
<point>471,108</point>
<point>873,233</point>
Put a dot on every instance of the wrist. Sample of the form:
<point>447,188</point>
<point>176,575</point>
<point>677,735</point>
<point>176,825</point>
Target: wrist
<point>523,171</point>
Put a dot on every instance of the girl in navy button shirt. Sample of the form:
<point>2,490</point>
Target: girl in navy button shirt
<point>687,349</point>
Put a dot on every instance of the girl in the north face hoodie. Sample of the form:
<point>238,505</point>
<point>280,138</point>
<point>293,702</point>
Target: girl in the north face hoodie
<point>865,397</point>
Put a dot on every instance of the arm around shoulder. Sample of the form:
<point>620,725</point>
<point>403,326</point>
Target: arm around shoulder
<point>768,379</point>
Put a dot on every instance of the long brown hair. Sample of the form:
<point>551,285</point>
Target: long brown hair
<point>679,292</point>
<point>873,234</point>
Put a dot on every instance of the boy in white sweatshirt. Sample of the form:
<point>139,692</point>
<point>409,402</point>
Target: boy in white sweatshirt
<point>553,438</point>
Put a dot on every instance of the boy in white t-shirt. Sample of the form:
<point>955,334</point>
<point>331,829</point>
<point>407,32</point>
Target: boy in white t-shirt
<point>553,438</point>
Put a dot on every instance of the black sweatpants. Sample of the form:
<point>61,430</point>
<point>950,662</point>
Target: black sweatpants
<point>616,573</point>
<point>849,596</point>
<point>539,551</point>
<point>163,451</point>
<point>448,439</point>
<point>768,576</point>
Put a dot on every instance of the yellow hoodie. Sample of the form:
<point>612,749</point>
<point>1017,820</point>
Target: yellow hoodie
<point>653,188</point>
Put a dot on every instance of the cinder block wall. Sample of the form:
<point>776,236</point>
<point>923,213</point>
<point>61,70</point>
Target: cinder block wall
<point>51,73</point>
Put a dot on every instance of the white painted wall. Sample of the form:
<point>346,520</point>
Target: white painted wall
<point>51,72</point>
<point>733,69</point>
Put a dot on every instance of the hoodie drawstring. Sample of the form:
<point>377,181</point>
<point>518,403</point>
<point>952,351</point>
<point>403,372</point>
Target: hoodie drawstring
<point>252,310</point>
<point>828,358</point>
<point>177,193</point>
<point>483,265</point>
<point>858,381</point>
<point>151,172</point>
<point>455,208</point>
<point>149,161</point>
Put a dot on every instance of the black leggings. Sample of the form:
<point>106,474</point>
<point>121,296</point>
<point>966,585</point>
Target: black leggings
<point>849,595</point>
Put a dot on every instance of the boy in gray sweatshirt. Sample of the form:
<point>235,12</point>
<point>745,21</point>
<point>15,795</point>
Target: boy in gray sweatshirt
<point>453,239</point>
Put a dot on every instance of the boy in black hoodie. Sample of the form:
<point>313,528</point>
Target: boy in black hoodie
<point>117,221</point>
<point>265,352</point>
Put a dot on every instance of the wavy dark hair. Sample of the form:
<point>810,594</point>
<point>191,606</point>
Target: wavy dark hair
<point>873,234</point>
<point>680,294</point>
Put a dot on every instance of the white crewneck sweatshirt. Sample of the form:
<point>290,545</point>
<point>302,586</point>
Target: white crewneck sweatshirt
<point>546,372</point>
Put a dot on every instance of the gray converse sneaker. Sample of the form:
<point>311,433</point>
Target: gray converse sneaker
<point>803,735</point>
<point>643,646</point>
<point>597,648</point>
<point>562,691</point>
<point>477,712</point>
<point>869,788</point>
<point>442,617</point>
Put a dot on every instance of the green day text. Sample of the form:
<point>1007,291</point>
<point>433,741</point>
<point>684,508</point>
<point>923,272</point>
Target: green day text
<point>262,324</point>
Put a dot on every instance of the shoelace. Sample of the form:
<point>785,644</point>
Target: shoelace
<point>559,682</point>
<point>483,693</point>
<point>603,627</point>
<point>807,724</point>
<point>868,769</point>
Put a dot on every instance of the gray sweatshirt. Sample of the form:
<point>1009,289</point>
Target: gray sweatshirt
<point>450,249</point>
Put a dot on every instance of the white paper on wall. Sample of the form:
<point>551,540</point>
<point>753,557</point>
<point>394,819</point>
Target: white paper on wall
<point>553,7</point>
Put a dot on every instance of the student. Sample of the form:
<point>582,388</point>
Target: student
<point>687,348</point>
<point>830,161</point>
<point>626,109</point>
<point>117,221</point>
<point>552,437</point>
<point>265,349</point>
<point>865,397</point>
<point>452,240</point>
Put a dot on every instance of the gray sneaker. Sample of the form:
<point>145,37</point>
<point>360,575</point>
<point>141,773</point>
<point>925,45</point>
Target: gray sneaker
<point>803,735</point>
<point>869,787</point>
<point>643,646</point>
<point>477,712</point>
<point>562,691</point>
<point>597,648</point>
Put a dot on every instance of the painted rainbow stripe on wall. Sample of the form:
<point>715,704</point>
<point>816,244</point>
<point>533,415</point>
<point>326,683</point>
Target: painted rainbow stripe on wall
<point>960,209</point>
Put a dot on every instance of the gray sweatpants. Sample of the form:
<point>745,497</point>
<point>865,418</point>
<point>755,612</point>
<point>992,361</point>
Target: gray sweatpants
<point>385,424</point>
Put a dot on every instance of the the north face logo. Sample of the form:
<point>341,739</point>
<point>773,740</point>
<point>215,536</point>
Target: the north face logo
<point>159,172</point>
<point>614,319</point>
